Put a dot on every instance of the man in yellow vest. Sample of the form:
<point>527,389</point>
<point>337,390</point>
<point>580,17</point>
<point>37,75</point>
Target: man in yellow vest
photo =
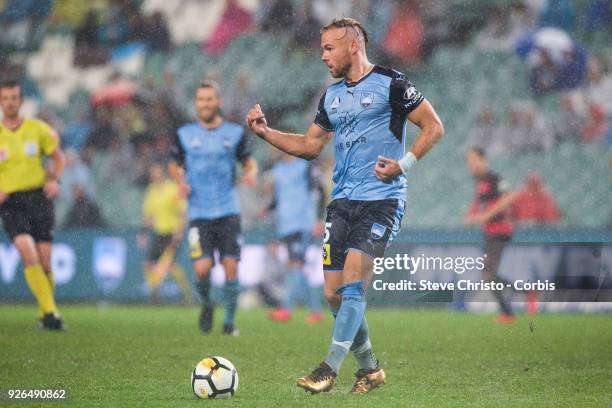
<point>26,193</point>
<point>164,212</point>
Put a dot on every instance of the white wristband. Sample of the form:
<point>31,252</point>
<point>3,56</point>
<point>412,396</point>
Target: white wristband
<point>407,162</point>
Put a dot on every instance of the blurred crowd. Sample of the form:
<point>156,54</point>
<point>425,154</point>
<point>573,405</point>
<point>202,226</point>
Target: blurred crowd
<point>543,34</point>
<point>131,118</point>
<point>584,117</point>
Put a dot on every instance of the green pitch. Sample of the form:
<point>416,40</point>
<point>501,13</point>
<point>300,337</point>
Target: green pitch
<point>143,356</point>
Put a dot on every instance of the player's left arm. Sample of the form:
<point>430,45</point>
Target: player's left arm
<point>502,203</point>
<point>431,130</point>
<point>250,170</point>
<point>177,235</point>
<point>58,161</point>
<point>50,143</point>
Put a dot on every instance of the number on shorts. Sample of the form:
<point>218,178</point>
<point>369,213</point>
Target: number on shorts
<point>327,232</point>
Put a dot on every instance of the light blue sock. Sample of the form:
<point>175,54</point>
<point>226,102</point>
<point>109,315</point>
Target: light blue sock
<point>293,287</point>
<point>230,299</point>
<point>361,347</point>
<point>347,323</point>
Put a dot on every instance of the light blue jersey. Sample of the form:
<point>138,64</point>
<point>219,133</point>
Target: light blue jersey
<point>368,118</point>
<point>294,198</point>
<point>209,157</point>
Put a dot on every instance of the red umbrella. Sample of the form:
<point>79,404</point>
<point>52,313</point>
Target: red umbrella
<point>116,93</point>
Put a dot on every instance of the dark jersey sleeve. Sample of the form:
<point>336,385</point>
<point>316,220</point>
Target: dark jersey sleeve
<point>177,151</point>
<point>497,187</point>
<point>243,152</point>
<point>403,96</point>
<point>322,120</point>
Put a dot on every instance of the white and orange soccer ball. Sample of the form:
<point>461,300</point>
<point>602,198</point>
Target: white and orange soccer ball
<point>214,377</point>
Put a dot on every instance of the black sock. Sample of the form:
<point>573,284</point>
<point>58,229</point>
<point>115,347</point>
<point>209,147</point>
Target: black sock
<point>203,286</point>
<point>502,300</point>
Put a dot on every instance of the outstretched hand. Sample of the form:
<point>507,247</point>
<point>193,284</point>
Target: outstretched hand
<point>387,169</point>
<point>256,121</point>
<point>51,188</point>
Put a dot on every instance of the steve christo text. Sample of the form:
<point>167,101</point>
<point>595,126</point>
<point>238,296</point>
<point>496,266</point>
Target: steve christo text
<point>459,265</point>
<point>463,285</point>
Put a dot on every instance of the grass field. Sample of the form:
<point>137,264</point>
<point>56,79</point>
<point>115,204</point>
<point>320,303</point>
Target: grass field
<point>142,356</point>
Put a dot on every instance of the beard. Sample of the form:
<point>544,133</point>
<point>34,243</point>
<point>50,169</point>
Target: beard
<point>11,113</point>
<point>341,71</point>
<point>209,116</point>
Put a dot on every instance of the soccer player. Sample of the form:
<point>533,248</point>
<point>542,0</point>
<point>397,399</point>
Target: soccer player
<point>26,193</point>
<point>296,192</point>
<point>164,213</point>
<point>365,113</point>
<point>489,210</point>
<point>204,158</point>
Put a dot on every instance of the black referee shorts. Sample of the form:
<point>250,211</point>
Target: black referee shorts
<point>158,245</point>
<point>28,212</point>
<point>297,244</point>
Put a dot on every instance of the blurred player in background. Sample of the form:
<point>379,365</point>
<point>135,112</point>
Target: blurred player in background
<point>164,212</point>
<point>489,209</point>
<point>26,193</point>
<point>204,158</point>
<point>365,113</point>
<point>297,190</point>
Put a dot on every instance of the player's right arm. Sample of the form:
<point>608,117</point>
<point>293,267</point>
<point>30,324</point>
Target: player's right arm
<point>307,146</point>
<point>176,166</point>
<point>177,172</point>
<point>147,222</point>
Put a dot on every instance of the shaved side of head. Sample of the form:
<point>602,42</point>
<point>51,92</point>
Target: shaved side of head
<point>349,29</point>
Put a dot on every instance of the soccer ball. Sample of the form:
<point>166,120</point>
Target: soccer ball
<point>214,377</point>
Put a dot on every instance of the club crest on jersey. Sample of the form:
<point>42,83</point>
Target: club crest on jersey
<point>195,143</point>
<point>31,148</point>
<point>378,231</point>
<point>366,99</point>
<point>334,105</point>
<point>3,155</point>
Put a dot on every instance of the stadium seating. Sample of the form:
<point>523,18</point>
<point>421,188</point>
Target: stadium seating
<point>440,185</point>
<point>290,80</point>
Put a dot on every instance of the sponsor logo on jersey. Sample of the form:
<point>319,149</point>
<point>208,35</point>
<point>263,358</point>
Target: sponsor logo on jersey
<point>410,93</point>
<point>347,123</point>
<point>326,254</point>
<point>350,143</point>
<point>195,248</point>
<point>367,98</point>
<point>378,231</point>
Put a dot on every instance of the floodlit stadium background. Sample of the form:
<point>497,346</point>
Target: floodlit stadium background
<point>528,81</point>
